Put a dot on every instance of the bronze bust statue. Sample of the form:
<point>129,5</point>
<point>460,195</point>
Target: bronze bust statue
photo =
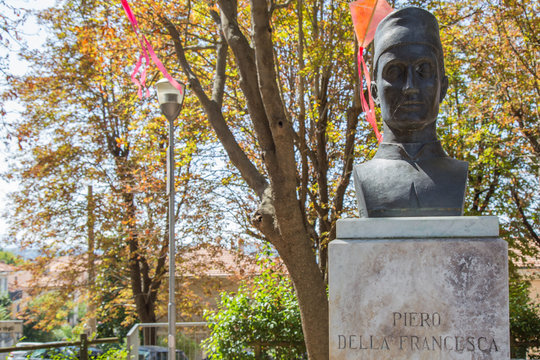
<point>410,175</point>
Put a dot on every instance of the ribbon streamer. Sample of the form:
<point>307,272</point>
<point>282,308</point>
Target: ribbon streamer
<point>366,15</point>
<point>147,53</point>
<point>368,108</point>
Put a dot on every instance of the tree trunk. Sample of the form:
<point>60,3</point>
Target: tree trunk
<point>280,217</point>
<point>143,286</point>
<point>311,291</point>
<point>149,333</point>
<point>295,248</point>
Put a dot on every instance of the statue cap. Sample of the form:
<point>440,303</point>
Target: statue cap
<point>411,25</point>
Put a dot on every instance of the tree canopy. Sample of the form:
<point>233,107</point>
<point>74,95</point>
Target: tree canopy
<point>91,161</point>
<point>277,83</point>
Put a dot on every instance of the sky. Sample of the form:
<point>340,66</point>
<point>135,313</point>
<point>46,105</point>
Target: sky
<point>34,36</point>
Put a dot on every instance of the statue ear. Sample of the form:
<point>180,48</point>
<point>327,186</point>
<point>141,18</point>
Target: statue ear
<point>444,87</point>
<point>374,93</point>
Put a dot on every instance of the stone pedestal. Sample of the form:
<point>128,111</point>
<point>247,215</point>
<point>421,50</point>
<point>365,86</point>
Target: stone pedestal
<point>418,288</point>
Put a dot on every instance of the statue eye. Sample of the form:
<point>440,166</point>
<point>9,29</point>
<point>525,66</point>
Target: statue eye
<point>393,72</point>
<point>424,70</point>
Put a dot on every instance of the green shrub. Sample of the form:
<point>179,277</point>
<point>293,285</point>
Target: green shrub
<point>524,319</point>
<point>260,320</point>
<point>114,354</point>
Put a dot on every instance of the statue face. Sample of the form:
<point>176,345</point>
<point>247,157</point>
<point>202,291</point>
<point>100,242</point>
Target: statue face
<point>409,86</point>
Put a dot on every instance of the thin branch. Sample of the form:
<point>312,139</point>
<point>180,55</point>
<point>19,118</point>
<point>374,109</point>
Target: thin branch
<point>523,216</point>
<point>197,48</point>
<point>490,191</point>
<point>220,77</point>
<point>353,114</point>
<point>274,6</point>
<point>301,140</point>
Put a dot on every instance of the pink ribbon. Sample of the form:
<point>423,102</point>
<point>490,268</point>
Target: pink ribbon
<point>369,109</point>
<point>147,49</point>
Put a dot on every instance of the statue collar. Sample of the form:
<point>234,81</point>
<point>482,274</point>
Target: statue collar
<point>412,152</point>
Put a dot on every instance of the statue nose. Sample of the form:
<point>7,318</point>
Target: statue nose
<point>410,82</point>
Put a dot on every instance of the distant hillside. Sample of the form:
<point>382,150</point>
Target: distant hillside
<point>16,252</point>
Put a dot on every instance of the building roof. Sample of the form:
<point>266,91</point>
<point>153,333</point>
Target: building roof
<point>50,274</point>
<point>527,261</point>
<point>6,268</point>
<point>214,262</point>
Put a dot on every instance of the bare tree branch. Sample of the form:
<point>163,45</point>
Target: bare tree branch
<point>523,216</point>
<point>490,191</point>
<point>220,77</point>
<point>302,146</point>
<point>249,172</point>
<point>283,177</point>
<point>245,58</point>
<point>353,114</point>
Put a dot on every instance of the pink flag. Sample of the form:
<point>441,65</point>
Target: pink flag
<point>146,54</point>
<point>366,15</point>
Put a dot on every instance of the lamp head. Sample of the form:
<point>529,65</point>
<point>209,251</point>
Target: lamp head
<point>170,98</point>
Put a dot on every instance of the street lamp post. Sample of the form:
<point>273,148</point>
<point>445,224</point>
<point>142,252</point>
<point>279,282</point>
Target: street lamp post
<point>170,100</point>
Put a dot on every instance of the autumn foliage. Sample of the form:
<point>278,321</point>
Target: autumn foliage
<point>269,132</point>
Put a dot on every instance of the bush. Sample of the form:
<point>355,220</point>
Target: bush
<point>71,353</point>
<point>261,320</point>
<point>524,319</point>
<point>114,354</point>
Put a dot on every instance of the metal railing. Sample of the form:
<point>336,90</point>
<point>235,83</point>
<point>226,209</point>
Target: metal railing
<point>82,344</point>
<point>133,338</point>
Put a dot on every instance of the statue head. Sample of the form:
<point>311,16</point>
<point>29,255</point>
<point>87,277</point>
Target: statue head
<point>409,78</point>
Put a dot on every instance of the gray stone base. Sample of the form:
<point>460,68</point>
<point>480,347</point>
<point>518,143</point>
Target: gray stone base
<point>406,293</point>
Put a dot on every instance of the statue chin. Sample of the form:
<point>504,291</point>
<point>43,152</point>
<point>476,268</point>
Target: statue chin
<point>409,122</point>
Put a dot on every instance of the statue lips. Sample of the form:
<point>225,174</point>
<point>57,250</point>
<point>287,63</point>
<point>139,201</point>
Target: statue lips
<point>411,106</point>
<point>409,113</point>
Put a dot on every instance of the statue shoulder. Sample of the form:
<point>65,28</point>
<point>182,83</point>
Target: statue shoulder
<point>433,186</point>
<point>375,168</point>
<point>455,167</point>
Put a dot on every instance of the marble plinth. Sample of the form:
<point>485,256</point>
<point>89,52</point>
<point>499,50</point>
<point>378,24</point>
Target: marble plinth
<point>418,288</point>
